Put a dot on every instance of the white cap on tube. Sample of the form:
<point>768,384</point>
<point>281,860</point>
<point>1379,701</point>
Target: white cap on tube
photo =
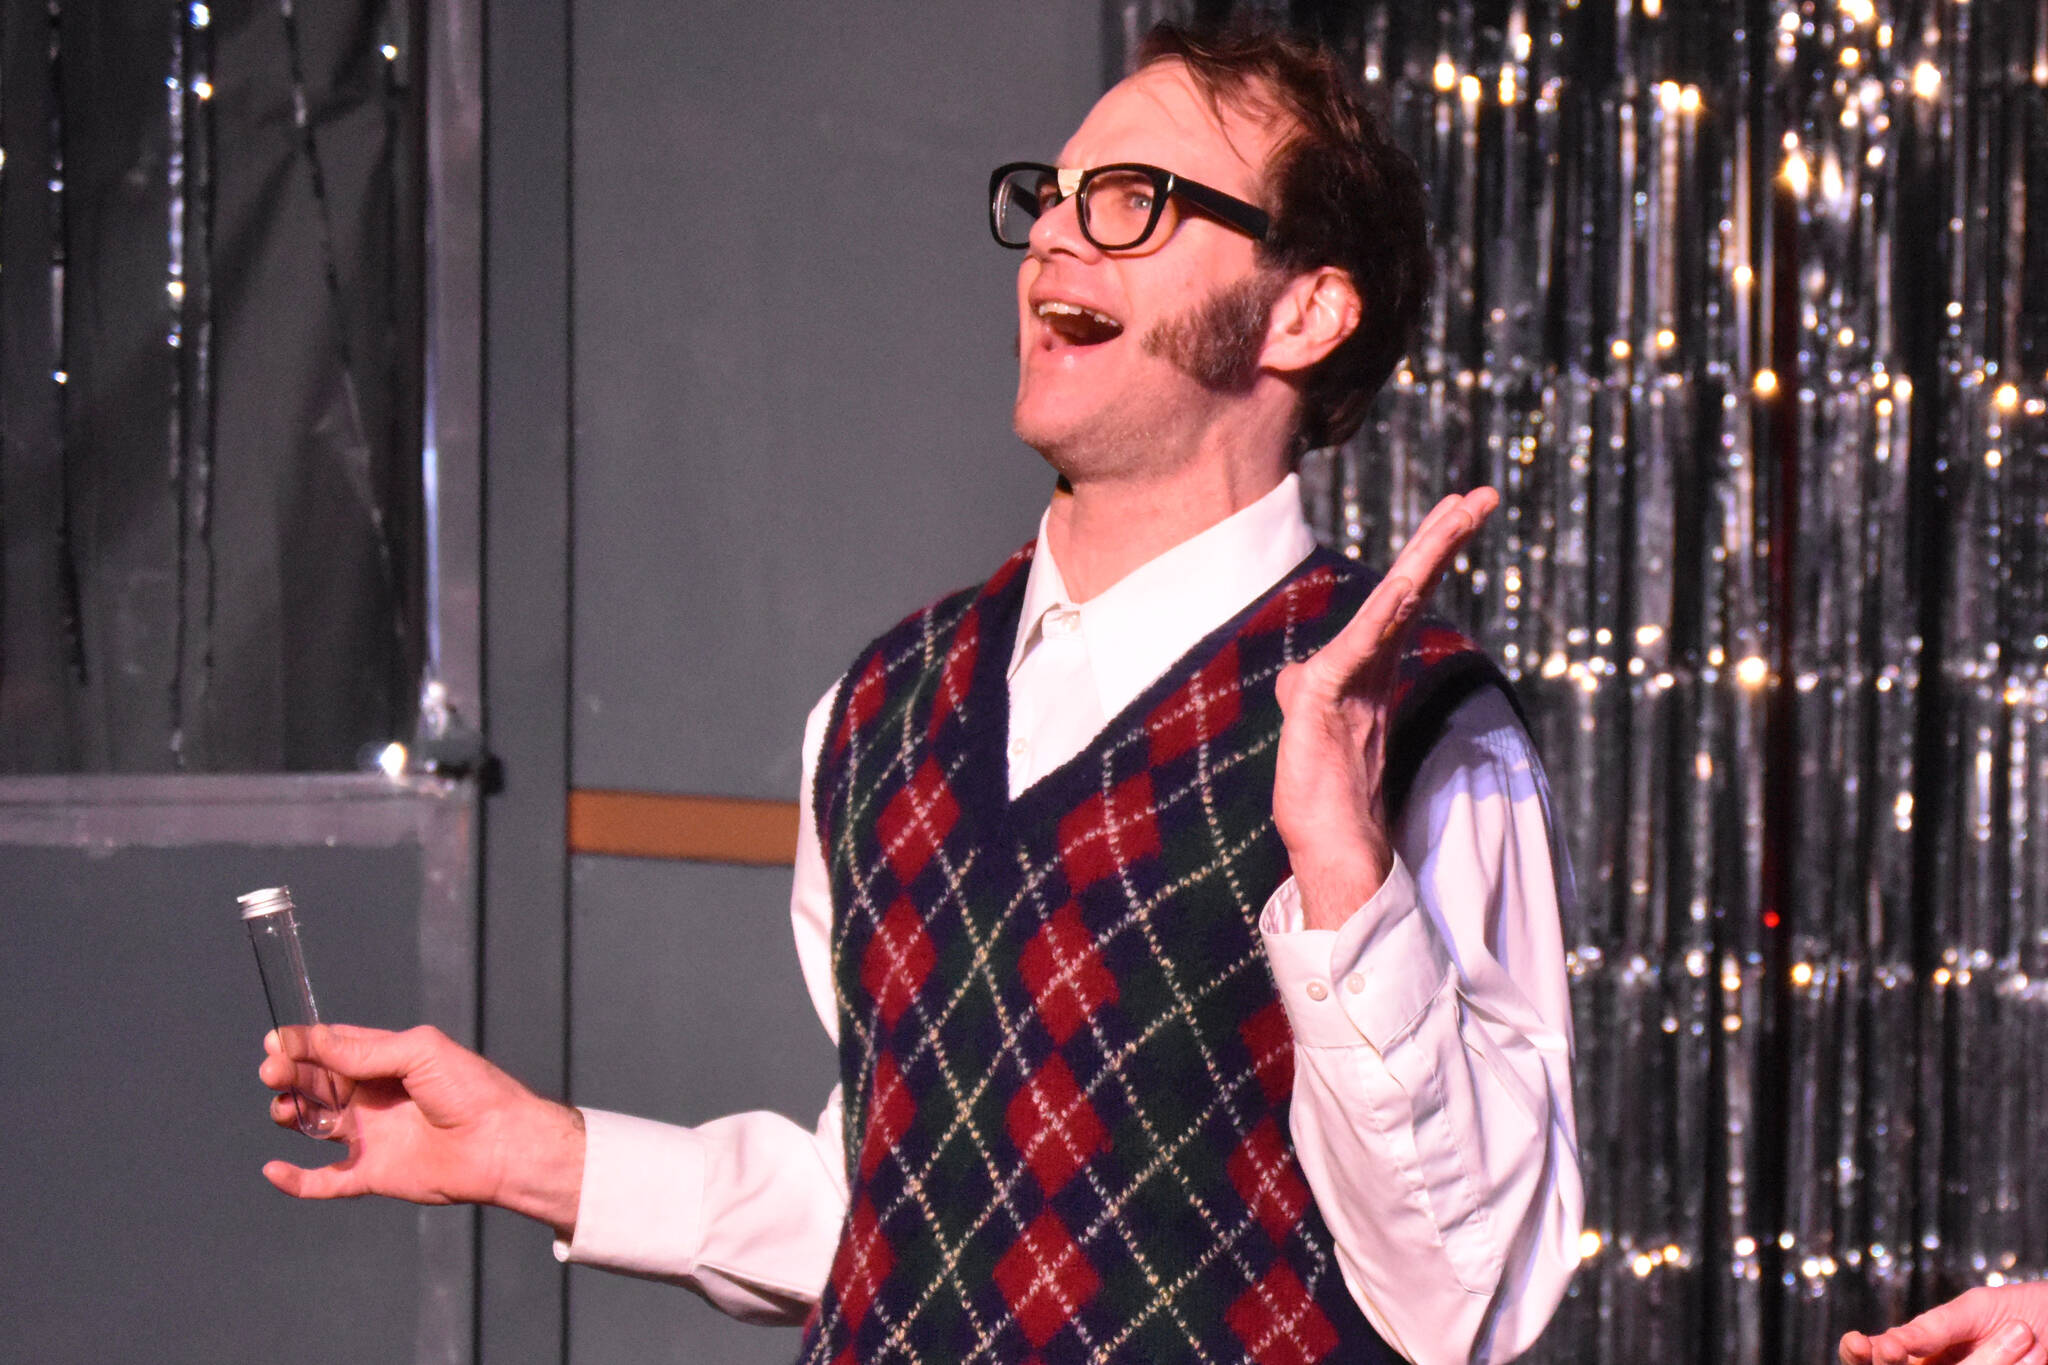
<point>267,901</point>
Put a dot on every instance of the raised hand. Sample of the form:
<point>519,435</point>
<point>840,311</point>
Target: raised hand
<point>430,1122</point>
<point>1335,706</point>
<point>2007,1325</point>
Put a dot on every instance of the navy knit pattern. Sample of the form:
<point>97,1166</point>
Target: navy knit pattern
<point>1066,1070</point>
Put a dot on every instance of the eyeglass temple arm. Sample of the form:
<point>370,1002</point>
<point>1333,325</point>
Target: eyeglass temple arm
<point>1253,219</point>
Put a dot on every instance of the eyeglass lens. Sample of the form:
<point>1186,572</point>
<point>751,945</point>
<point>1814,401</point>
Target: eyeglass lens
<point>1117,207</point>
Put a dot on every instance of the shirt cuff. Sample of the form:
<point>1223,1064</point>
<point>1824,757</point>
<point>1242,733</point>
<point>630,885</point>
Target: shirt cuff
<point>641,1209</point>
<point>1367,981</point>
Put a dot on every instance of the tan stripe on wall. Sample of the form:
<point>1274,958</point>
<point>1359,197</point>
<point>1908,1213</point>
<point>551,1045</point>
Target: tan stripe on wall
<point>711,829</point>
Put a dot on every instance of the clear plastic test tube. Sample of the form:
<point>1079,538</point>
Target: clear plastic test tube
<point>274,933</point>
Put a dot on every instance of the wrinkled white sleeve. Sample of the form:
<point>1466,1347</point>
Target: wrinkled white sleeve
<point>1432,1106</point>
<point>746,1209</point>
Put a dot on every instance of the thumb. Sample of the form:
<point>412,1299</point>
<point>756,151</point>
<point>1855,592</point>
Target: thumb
<point>1369,633</point>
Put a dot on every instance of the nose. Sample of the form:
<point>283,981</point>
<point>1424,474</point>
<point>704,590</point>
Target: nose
<point>1058,229</point>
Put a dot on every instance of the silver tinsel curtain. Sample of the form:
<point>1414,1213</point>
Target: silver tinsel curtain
<point>211,381</point>
<point>1744,309</point>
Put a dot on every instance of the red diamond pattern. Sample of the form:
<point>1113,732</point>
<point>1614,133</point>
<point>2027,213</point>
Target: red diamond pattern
<point>1268,1180</point>
<point>917,820</point>
<point>1271,1042</point>
<point>1054,1126</point>
<point>897,960</point>
<point>1046,1278</point>
<point>958,672</point>
<point>1196,714</point>
<point>1433,644</point>
<point>863,1263</point>
<point>862,703</point>
<point>1065,974</point>
<point>890,1110</point>
<point>1279,1323</point>
<point>1305,599</point>
<point>1109,832</point>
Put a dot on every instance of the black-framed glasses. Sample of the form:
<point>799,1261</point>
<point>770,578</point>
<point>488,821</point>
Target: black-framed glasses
<point>1119,205</point>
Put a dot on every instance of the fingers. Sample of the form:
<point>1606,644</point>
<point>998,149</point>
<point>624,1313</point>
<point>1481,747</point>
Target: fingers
<point>1959,1332</point>
<point>282,1073</point>
<point>277,1070</point>
<point>360,1054</point>
<point>1966,1320</point>
<point>1855,1349</point>
<point>314,1182</point>
<point>1445,531</point>
<point>1410,580</point>
<point>2009,1345</point>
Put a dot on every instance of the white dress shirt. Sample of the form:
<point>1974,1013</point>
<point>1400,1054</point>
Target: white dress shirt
<point>1431,1113</point>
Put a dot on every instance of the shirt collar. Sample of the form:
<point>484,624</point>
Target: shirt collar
<point>1151,616</point>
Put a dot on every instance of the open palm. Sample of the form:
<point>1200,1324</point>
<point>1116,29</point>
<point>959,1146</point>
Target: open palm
<point>1335,706</point>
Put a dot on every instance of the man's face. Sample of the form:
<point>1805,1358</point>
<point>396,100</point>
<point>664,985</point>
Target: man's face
<point>1187,308</point>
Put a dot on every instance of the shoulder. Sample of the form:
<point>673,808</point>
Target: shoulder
<point>1484,734</point>
<point>914,634</point>
<point>943,613</point>
<point>1480,802</point>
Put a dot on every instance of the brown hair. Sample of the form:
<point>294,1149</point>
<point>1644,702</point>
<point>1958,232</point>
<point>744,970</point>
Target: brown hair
<point>1342,194</point>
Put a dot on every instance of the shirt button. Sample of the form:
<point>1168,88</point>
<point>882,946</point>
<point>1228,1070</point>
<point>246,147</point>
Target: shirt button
<point>1019,747</point>
<point>1355,983</point>
<point>1318,991</point>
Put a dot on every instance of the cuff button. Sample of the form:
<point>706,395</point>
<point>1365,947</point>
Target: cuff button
<point>1355,983</point>
<point>1318,991</point>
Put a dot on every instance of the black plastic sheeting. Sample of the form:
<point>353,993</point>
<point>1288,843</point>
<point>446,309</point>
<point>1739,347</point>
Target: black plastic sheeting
<point>210,228</point>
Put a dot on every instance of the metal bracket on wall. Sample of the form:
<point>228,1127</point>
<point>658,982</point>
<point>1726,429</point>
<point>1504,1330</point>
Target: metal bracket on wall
<point>451,449</point>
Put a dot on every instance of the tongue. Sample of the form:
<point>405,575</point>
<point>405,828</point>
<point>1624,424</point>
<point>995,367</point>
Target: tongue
<point>1079,329</point>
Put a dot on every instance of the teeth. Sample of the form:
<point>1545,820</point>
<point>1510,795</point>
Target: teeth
<point>1073,310</point>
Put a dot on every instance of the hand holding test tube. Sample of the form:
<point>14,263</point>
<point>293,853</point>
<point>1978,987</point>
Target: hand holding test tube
<point>426,1119</point>
<point>320,1096</point>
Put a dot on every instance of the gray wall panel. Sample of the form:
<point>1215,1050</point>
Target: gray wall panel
<point>139,1225</point>
<point>793,353</point>
<point>524,1015</point>
<point>792,372</point>
<point>688,1005</point>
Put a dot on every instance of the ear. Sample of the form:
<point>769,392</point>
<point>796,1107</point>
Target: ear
<point>1313,315</point>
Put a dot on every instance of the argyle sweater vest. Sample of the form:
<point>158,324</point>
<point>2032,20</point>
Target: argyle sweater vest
<point>1066,1070</point>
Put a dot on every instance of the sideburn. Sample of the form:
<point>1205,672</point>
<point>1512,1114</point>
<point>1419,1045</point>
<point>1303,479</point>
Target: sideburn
<point>1217,342</point>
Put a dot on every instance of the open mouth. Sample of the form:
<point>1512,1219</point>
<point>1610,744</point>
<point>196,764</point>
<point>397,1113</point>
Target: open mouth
<point>1073,325</point>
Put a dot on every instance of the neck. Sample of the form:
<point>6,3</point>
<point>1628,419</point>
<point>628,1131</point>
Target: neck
<point>1100,529</point>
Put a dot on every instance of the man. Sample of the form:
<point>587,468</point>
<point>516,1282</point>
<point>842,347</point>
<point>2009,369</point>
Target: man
<point>1160,1038</point>
<point>2005,1325</point>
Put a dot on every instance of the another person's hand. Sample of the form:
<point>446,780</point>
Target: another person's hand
<point>1335,707</point>
<point>430,1122</point>
<point>2003,1326</point>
